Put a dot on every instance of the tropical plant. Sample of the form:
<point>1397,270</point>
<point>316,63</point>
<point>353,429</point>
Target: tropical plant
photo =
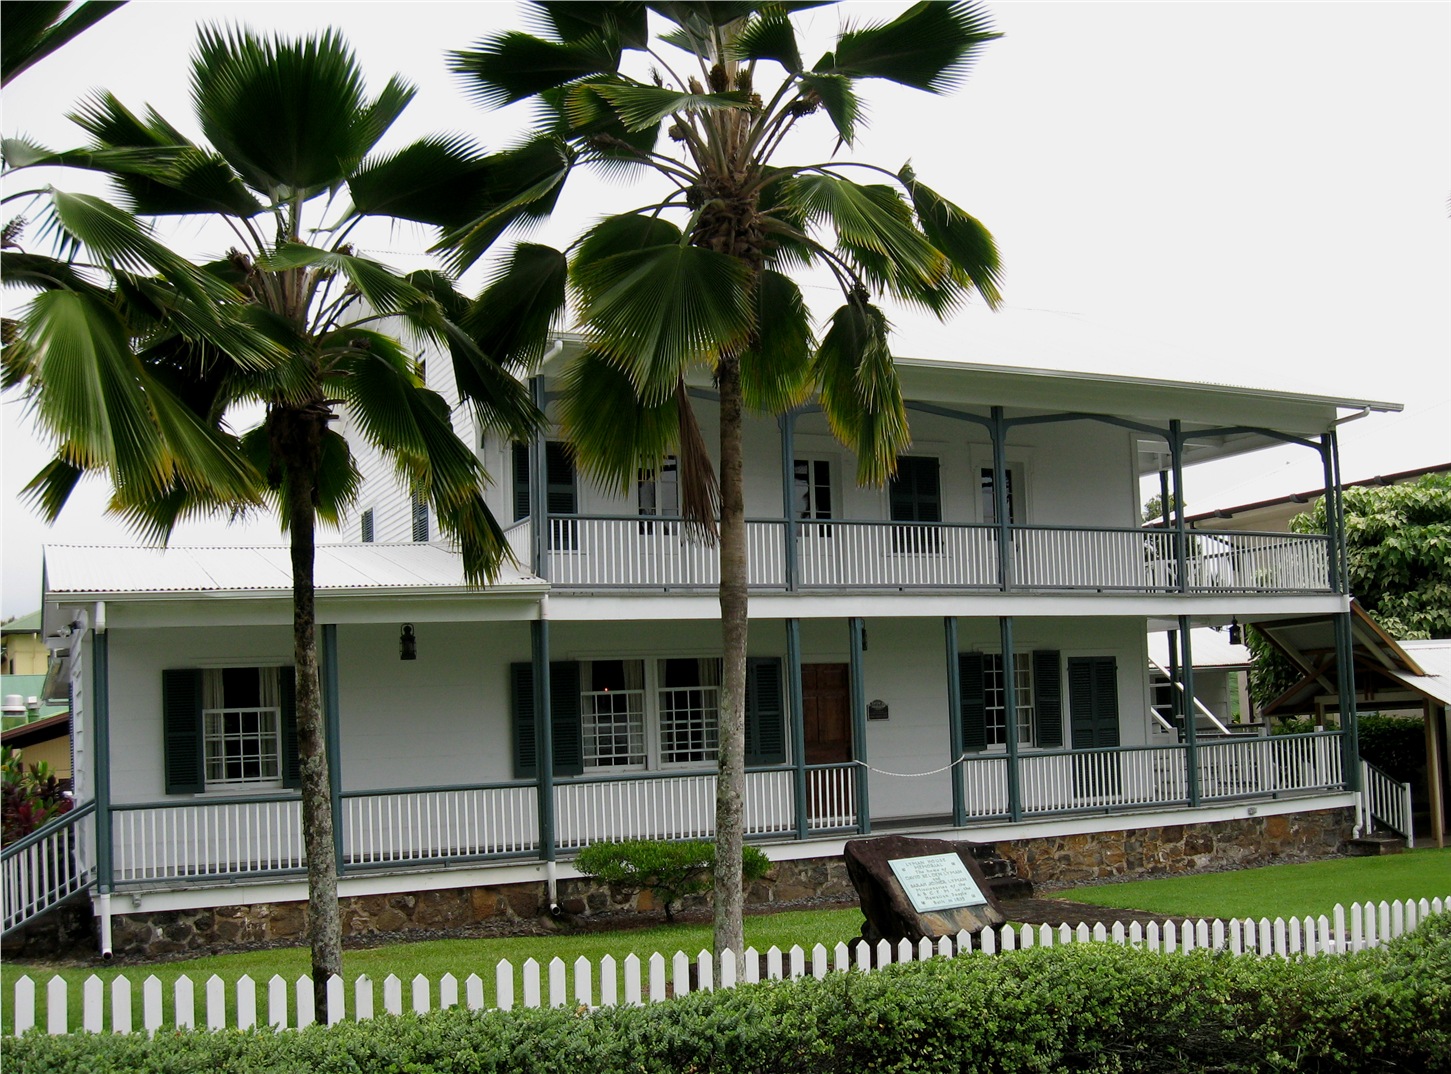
<point>134,357</point>
<point>36,28</point>
<point>668,869</point>
<point>30,796</point>
<point>695,280</point>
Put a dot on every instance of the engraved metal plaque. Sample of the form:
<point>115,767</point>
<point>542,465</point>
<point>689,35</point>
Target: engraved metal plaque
<point>937,882</point>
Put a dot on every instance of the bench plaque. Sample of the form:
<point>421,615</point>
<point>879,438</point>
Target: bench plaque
<point>937,882</point>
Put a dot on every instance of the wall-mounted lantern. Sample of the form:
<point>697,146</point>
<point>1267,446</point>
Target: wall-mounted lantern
<point>407,643</point>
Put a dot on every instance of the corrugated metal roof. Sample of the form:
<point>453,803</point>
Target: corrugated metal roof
<point>116,571</point>
<point>1209,647</point>
<point>1435,660</point>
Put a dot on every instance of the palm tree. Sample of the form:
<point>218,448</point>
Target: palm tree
<point>657,298</point>
<point>134,359</point>
<point>36,28</point>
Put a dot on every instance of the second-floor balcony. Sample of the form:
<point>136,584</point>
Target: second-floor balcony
<point>654,553</point>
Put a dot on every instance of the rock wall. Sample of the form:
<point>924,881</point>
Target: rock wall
<point>1156,851</point>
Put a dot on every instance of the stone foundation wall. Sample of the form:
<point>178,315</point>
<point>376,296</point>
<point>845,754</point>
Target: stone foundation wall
<point>1145,852</point>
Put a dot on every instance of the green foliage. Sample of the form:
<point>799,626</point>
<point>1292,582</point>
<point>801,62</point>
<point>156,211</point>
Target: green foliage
<point>1398,540</point>
<point>30,796</point>
<point>1271,672</point>
<point>669,870</point>
<point>1394,744</point>
<point>1098,1008</point>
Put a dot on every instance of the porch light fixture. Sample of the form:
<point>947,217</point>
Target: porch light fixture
<point>1236,633</point>
<point>407,643</point>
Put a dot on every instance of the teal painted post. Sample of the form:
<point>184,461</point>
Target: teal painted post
<point>543,735</point>
<point>101,708</point>
<point>1000,499</point>
<point>798,723</point>
<point>1349,718</point>
<point>1176,708</point>
<point>857,628</point>
<point>1340,515</point>
<point>538,489</point>
<point>1332,527</point>
<point>332,735</point>
<point>1181,544</point>
<point>1191,737</point>
<point>787,424</point>
<point>954,723</point>
<point>1010,719</point>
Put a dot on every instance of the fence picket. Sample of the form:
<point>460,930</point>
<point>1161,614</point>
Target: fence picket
<point>609,982</point>
<point>944,947</point>
<point>1136,934</point>
<point>532,992</point>
<point>306,1009</point>
<point>420,994</point>
<point>753,966</point>
<point>276,1001</point>
<point>705,971</point>
<point>1081,933</point>
<point>680,973</point>
<point>583,983</point>
<point>93,1004</point>
<point>632,980</point>
<point>986,940</point>
<point>24,1013</point>
<point>798,959</point>
<point>336,1007</point>
<point>217,1002</point>
<point>964,941</point>
<point>657,977</point>
<point>504,985</point>
<point>246,1002</point>
<point>841,956</point>
<point>183,1001</point>
<point>728,968</point>
<point>120,1005</point>
<point>57,1004</point>
<point>1383,927</point>
<point>558,989</point>
<point>393,994</point>
<point>1151,936</point>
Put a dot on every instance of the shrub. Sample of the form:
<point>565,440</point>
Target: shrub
<point>669,870</point>
<point>30,796</point>
<point>1394,744</point>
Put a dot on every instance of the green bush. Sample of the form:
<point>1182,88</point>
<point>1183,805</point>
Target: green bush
<point>1394,744</point>
<point>669,870</point>
<point>1096,1008</point>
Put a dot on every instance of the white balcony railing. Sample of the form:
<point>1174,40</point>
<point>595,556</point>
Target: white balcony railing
<point>218,838</point>
<point>454,823</point>
<point>594,552</point>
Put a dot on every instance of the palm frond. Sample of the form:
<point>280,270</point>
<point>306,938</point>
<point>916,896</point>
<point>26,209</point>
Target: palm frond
<point>513,315</point>
<point>776,368</point>
<point>769,36</point>
<point>968,245</point>
<point>930,46</point>
<point>34,30</point>
<point>836,94</point>
<point>659,309</point>
<point>48,491</point>
<point>515,66</point>
<point>642,107</point>
<point>874,224</point>
<point>699,487</point>
<point>382,288</point>
<point>637,436</point>
<point>292,117</point>
<point>860,393</point>
<point>578,20</point>
<point>439,181</point>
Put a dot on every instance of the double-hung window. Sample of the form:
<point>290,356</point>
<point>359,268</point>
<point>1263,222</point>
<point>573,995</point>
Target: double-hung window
<point>242,726</point>
<point>612,713</point>
<point>659,494</point>
<point>995,715</point>
<point>688,700</point>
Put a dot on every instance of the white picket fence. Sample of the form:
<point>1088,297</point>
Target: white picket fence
<point>633,981</point>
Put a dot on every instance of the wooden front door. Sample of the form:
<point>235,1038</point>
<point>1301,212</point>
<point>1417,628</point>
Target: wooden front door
<point>826,713</point>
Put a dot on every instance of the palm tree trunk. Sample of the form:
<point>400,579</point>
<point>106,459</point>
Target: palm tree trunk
<point>324,923</point>
<point>730,825</point>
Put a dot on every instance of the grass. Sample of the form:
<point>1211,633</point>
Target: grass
<point>1272,891</point>
<point>1282,890</point>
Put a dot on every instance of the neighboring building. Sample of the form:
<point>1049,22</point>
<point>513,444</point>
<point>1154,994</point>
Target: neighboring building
<point>1274,515</point>
<point>46,741</point>
<point>24,651</point>
<point>962,652</point>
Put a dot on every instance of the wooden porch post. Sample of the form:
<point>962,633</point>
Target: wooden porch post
<point>954,722</point>
<point>332,735</point>
<point>1435,718</point>
<point>101,709</point>
<point>543,734</point>
<point>798,723</point>
<point>1332,526</point>
<point>1181,549</point>
<point>857,628</point>
<point>1191,735</point>
<point>787,423</point>
<point>538,491</point>
<point>1010,718</point>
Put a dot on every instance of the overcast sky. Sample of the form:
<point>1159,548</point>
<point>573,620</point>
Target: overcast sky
<point>1253,193</point>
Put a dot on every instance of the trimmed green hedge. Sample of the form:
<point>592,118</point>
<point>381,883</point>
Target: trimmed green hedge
<point>1097,1008</point>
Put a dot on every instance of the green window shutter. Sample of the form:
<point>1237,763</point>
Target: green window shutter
<point>1047,699</point>
<point>181,728</point>
<point>765,711</point>
<point>566,722</point>
<point>521,480</point>
<point>567,726</point>
<point>1093,701</point>
<point>1105,699</point>
<point>291,759</point>
<point>521,692</point>
<point>559,478</point>
<point>973,702</point>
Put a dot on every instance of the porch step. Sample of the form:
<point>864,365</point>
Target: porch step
<point>1369,846</point>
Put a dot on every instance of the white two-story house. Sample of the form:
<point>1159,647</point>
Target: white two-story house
<point>961,653</point>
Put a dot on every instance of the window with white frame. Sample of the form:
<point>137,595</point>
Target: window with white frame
<point>689,702</point>
<point>242,726</point>
<point>612,713</point>
<point>659,493</point>
<point>1161,694</point>
<point>995,698</point>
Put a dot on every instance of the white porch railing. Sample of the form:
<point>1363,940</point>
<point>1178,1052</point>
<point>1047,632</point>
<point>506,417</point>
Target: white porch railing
<point>912,555</point>
<point>652,553</point>
<point>666,806</point>
<point>1385,802</point>
<point>830,797</point>
<point>202,838</point>
<point>48,866</point>
<point>390,827</point>
<point>648,552</point>
<point>1135,777</point>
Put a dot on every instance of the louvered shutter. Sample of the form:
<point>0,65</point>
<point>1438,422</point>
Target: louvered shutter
<point>1093,701</point>
<point>972,701</point>
<point>567,728</point>
<point>1105,700</point>
<point>765,711</point>
<point>1047,699</point>
<point>521,481</point>
<point>521,691</point>
<point>181,724</point>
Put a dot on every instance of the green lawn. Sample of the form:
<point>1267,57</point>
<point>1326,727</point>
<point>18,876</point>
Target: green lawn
<point>1282,890</point>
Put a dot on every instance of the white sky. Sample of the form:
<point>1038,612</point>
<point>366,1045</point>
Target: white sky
<point>1247,193</point>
